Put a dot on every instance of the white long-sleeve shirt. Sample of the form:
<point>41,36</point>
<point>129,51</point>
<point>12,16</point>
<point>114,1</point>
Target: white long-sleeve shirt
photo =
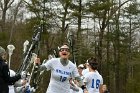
<point>60,75</point>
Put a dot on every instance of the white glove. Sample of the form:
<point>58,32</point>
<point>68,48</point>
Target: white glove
<point>23,74</point>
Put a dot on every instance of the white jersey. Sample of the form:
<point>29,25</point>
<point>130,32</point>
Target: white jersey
<point>85,71</point>
<point>11,87</point>
<point>93,81</point>
<point>60,75</point>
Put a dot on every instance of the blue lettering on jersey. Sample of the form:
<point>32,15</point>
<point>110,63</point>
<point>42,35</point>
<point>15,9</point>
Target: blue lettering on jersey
<point>62,79</point>
<point>63,72</point>
<point>95,83</point>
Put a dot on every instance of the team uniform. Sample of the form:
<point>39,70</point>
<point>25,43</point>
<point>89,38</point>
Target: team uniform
<point>60,75</point>
<point>93,81</point>
<point>85,71</point>
<point>80,69</point>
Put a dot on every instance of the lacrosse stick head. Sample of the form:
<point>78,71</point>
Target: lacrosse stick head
<point>25,44</point>
<point>10,49</point>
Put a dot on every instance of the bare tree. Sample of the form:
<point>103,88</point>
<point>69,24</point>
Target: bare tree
<point>5,5</point>
<point>16,10</point>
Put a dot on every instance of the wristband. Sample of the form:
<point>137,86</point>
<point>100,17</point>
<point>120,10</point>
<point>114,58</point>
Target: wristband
<point>83,87</point>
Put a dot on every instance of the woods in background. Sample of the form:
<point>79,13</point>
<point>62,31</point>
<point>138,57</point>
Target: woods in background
<point>106,29</point>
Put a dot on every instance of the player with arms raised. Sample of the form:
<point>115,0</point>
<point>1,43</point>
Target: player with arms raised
<point>62,70</point>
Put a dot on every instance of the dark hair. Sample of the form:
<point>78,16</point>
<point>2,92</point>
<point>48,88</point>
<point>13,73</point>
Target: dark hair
<point>93,63</point>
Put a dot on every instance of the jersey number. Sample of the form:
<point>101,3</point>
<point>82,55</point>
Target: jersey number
<point>62,79</point>
<point>95,83</point>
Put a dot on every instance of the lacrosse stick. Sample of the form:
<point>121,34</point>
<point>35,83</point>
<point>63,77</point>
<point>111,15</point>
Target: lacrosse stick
<point>10,52</point>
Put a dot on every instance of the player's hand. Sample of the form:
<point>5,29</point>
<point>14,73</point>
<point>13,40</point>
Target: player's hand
<point>85,91</point>
<point>23,82</point>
